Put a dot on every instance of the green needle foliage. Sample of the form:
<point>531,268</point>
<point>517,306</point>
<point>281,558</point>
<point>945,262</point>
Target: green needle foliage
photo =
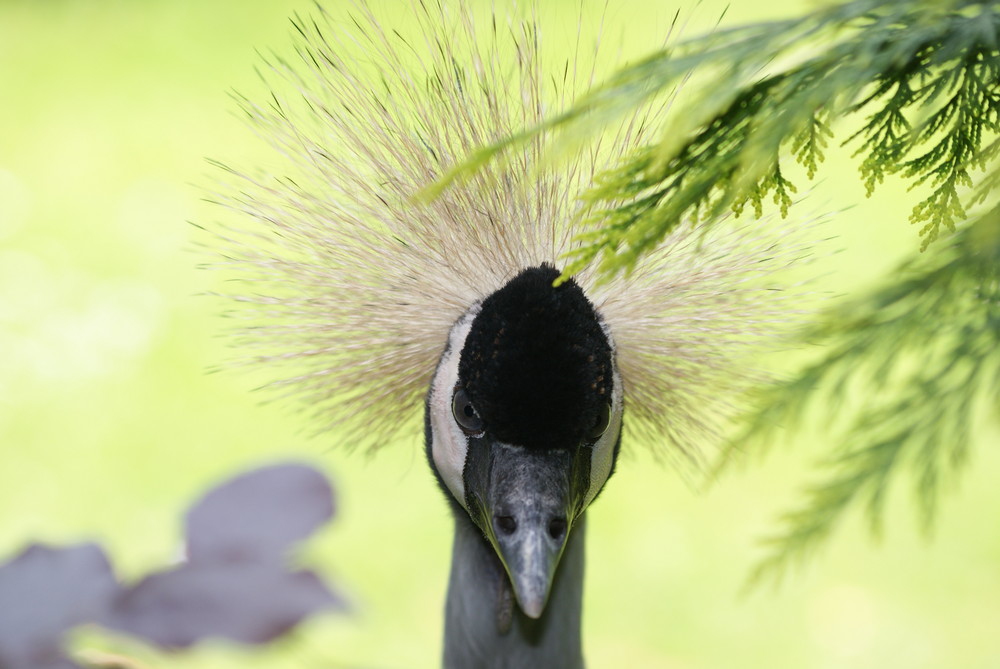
<point>921,79</point>
<point>923,355</point>
<point>923,75</point>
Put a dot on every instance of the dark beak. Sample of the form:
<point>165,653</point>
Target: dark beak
<point>528,511</point>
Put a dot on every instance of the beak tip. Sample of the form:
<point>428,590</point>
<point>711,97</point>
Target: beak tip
<point>532,595</point>
<point>533,608</point>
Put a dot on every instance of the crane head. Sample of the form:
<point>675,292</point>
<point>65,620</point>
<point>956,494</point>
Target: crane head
<point>524,420</point>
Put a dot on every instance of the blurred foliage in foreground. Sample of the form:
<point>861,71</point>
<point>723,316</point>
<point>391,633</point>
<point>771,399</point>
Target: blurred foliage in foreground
<point>233,581</point>
<point>924,77</point>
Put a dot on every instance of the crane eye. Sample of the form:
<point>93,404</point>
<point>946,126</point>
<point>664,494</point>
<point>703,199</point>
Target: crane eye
<point>465,414</point>
<point>602,422</point>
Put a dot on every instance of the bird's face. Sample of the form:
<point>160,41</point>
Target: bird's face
<point>524,417</point>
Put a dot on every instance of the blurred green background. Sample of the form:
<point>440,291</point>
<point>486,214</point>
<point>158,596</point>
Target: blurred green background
<point>110,423</point>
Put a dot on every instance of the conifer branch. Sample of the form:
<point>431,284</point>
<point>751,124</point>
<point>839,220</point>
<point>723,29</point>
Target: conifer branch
<point>925,77</point>
<point>926,352</point>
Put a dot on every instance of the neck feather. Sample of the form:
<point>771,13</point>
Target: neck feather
<point>481,629</point>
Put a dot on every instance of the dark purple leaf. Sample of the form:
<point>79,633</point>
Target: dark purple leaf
<point>259,515</point>
<point>235,586</point>
<point>244,602</point>
<point>45,591</point>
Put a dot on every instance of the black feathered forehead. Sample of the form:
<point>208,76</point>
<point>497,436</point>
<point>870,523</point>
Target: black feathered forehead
<point>536,363</point>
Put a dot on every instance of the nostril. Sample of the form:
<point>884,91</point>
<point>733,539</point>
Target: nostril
<point>557,528</point>
<point>506,524</point>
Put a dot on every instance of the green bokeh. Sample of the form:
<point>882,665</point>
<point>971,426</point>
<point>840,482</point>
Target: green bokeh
<point>110,422</point>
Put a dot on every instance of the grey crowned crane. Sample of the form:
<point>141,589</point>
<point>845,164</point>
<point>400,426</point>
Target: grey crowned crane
<point>523,426</point>
<point>378,306</point>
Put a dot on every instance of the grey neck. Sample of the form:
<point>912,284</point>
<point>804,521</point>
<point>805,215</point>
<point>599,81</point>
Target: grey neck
<point>485,629</point>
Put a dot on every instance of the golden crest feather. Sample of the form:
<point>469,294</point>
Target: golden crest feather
<point>350,284</point>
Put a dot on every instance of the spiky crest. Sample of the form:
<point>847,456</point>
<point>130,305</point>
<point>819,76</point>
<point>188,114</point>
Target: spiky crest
<point>352,284</point>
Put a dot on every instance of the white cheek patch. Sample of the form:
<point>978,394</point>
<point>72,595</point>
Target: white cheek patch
<point>449,445</point>
<point>603,455</point>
